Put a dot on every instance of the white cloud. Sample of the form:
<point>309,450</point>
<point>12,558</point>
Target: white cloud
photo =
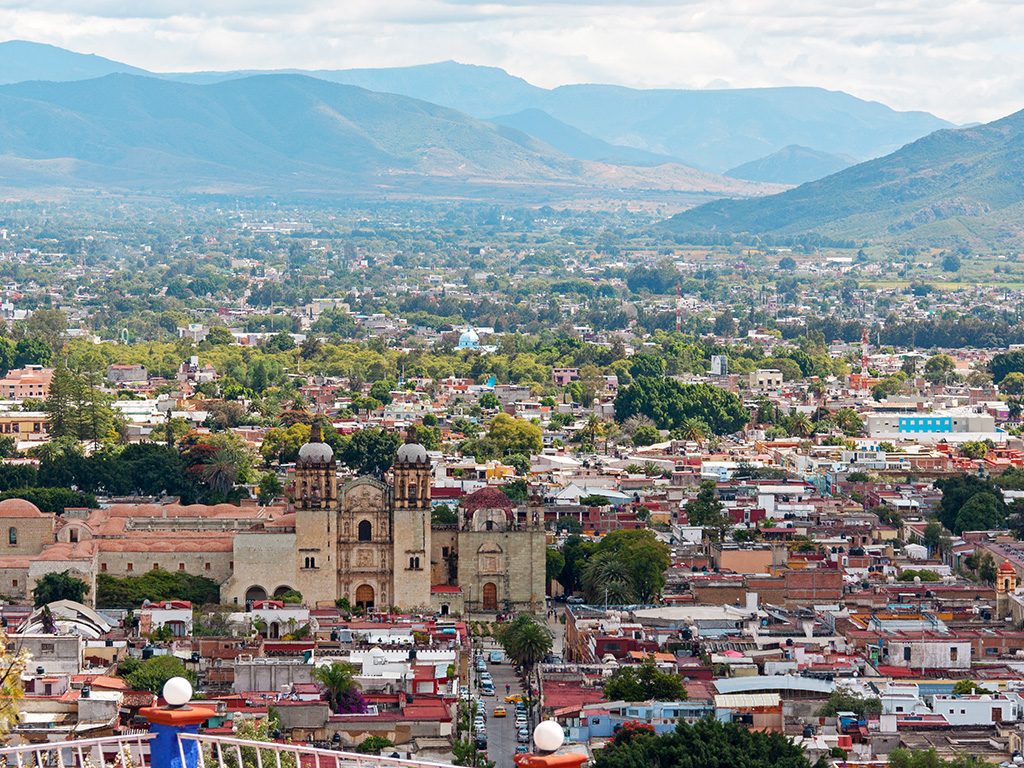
<point>962,61</point>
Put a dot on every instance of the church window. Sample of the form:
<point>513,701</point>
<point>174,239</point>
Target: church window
<point>73,535</point>
<point>414,563</point>
<point>490,525</point>
<point>310,562</point>
<point>412,491</point>
<point>444,551</point>
<point>365,530</point>
<point>12,536</point>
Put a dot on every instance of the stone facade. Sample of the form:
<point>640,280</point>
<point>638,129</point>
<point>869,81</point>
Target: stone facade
<point>372,543</point>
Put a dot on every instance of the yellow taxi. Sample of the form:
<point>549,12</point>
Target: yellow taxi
<point>499,711</point>
<point>515,698</point>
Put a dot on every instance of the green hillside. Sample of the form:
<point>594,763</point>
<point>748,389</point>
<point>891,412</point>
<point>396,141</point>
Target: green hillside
<point>949,185</point>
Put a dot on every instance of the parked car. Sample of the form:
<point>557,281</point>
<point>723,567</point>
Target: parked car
<point>480,741</point>
<point>522,749</point>
<point>575,600</point>
<point>523,736</point>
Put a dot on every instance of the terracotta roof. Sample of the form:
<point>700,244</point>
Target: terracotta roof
<point>19,508</point>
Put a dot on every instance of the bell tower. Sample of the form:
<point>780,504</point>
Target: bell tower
<point>411,524</point>
<point>1006,585</point>
<point>315,501</point>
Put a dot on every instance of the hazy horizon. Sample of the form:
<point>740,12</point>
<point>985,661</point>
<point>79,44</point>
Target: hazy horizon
<point>962,63</point>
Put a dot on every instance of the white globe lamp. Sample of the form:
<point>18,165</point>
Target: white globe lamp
<point>177,692</point>
<point>548,736</point>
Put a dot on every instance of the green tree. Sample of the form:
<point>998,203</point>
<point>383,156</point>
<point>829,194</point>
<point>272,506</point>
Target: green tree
<point>525,641</point>
<point>957,491</point>
<point>844,700</point>
<point>1012,383</point>
<point>644,682</point>
<point>372,745</point>
<point>219,336</point>
<point>951,262</point>
<point>59,586</point>
<point>981,512</point>
<point>336,680</point>
<point>511,435</point>
<point>932,536</point>
<point>968,687</point>
<point>707,511</point>
<point>668,404</point>
<point>60,406</point>
<point>442,514</point>
<point>370,451</point>
<point>270,488</point>
<point>569,523</point>
<point>939,367</point>
<point>152,673</point>
<point>32,351</point>
<point>706,743</point>
<point>555,562</point>
<point>13,663</point>
<point>1005,363</point>
<point>646,435</point>
<point>974,449</point>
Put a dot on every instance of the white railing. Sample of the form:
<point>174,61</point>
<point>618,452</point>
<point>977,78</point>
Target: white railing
<point>125,751</point>
<point>227,752</point>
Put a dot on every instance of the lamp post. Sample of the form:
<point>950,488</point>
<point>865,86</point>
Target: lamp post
<point>166,750</point>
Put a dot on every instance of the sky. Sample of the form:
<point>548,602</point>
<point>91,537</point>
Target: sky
<point>962,61</point>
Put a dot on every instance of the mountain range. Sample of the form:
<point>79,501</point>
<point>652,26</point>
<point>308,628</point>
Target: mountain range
<point>290,133</point>
<point>953,186</point>
<point>714,130</point>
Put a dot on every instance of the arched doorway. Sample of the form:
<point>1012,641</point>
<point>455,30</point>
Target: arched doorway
<point>255,594</point>
<point>364,596</point>
<point>444,609</point>
<point>282,590</point>
<point>490,596</point>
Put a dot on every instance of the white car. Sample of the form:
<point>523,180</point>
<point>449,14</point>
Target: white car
<point>523,736</point>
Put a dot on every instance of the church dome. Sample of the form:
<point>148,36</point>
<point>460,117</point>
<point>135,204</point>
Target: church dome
<point>469,339</point>
<point>411,453</point>
<point>315,451</point>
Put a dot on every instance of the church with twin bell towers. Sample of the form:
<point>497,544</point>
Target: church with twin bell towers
<point>371,542</point>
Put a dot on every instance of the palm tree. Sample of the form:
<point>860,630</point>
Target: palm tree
<point>526,642</point>
<point>336,680</point>
<point>693,430</point>
<point>800,425</point>
<point>220,470</point>
<point>592,429</point>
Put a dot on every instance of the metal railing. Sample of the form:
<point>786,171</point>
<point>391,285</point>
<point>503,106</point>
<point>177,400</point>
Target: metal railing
<point>125,751</point>
<point>229,752</point>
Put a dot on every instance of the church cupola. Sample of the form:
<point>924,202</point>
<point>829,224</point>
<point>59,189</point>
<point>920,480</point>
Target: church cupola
<point>412,474</point>
<point>316,475</point>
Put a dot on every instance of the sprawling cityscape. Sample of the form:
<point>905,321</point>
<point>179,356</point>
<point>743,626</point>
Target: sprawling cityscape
<point>420,417</point>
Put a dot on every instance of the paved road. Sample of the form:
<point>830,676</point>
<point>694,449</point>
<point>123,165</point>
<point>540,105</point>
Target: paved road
<point>501,731</point>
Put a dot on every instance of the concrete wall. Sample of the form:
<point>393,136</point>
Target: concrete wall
<point>259,675</point>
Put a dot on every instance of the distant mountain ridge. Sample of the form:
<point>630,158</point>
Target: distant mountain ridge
<point>792,165</point>
<point>289,133</point>
<point>714,130</point>
<point>951,186</point>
